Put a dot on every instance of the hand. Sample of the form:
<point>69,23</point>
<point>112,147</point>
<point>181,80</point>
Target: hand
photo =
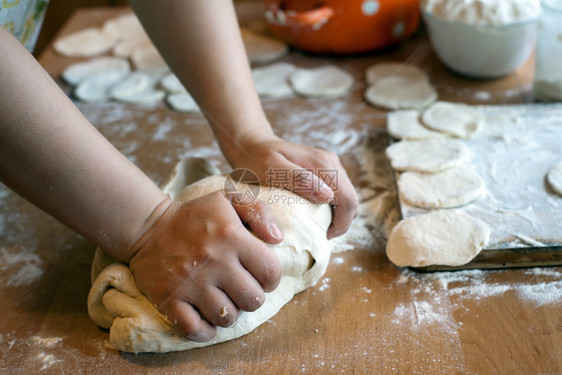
<point>326,179</point>
<point>199,264</point>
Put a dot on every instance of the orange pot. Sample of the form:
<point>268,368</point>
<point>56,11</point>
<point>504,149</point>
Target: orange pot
<point>342,26</point>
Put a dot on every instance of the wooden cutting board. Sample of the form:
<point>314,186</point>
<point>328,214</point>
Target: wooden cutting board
<point>513,152</point>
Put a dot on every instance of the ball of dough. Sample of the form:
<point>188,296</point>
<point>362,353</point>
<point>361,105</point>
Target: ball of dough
<point>444,237</point>
<point>451,188</point>
<point>430,156</point>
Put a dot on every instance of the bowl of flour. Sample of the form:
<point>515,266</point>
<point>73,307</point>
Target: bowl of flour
<point>482,38</point>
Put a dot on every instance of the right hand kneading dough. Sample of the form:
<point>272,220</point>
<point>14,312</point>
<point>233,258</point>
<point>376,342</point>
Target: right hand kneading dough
<point>135,324</point>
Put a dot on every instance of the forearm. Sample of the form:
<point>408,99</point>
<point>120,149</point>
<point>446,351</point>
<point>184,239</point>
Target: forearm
<point>51,155</point>
<point>200,40</point>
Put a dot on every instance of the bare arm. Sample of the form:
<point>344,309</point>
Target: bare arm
<point>201,41</point>
<point>52,156</point>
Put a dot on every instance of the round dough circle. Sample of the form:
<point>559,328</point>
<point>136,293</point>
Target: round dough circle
<point>96,88</point>
<point>398,92</point>
<point>326,80</point>
<point>451,188</point>
<point>273,80</point>
<point>76,73</point>
<point>85,43</point>
<point>380,71</point>
<point>459,120</point>
<point>444,237</point>
<point>405,124</point>
<point>554,178</point>
<point>261,48</point>
<point>171,83</point>
<point>182,102</point>
<point>430,155</point>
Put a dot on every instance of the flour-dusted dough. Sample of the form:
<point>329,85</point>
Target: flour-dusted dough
<point>459,120</point>
<point>85,43</point>
<point>381,71</point>
<point>554,178</point>
<point>182,102</point>
<point>77,72</point>
<point>273,80</point>
<point>451,188</point>
<point>261,48</point>
<point>430,155</point>
<point>96,88</point>
<point>444,237</point>
<point>327,80</point>
<point>171,84</point>
<point>130,85</point>
<point>123,26</point>
<point>405,124</point>
<point>136,326</point>
<point>401,93</point>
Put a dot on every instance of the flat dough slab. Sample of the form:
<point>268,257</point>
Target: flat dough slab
<point>85,43</point>
<point>273,80</point>
<point>444,237</point>
<point>96,88</point>
<point>115,303</point>
<point>405,124</point>
<point>182,102</point>
<point>430,155</point>
<point>554,178</point>
<point>458,120</point>
<point>327,80</point>
<point>451,188</point>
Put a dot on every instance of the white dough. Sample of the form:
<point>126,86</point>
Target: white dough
<point>405,124</point>
<point>124,26</point>
<point>273,80</point>
<point>182,102</point>
<point>451,188</point>
<point>76,73</point>
<point>554,178</point>
<point>96,88</point>
<point>381,71</point>
<point>85,43</point>
<point>115,303</point>
<point>171,83</point>
<point>131,84</point>
<point>430,155</point>
<point>261,48</point>
<point>459,120</point>
<point>128,46</point>
<point>326,80</point>
<point>149,60</point>
<point>444,237</point>
<point>401,92</point>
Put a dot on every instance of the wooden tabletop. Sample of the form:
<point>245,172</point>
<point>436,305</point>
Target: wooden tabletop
<point>365,316</point>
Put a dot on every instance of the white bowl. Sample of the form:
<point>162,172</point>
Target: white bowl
<point>481,51</point>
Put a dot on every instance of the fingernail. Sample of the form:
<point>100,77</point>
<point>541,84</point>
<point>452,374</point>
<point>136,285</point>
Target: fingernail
<point>323,188</point>
<point>275,231</point>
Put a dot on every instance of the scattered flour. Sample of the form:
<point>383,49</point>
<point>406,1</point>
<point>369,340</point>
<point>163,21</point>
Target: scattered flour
<point>19,267</point>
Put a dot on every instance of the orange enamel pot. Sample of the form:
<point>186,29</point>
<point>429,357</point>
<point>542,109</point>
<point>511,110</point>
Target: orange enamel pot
<point>342,26</point>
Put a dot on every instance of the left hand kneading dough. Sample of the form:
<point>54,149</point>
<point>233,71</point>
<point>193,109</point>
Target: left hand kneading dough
<point>135,325</point>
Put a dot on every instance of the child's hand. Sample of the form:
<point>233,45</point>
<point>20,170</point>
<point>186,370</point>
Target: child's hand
<point>199,264</point>
<point>312,173</point>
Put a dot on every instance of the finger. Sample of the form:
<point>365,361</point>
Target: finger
<point>244,290</point>
<point>261,263</point>
<point>345,209</point>
<point>188,322</point>
<point>289,176</point>
<point>260,218</point>
<point>216,307</point>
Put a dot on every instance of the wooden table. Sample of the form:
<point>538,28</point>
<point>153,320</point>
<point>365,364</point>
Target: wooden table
<point>365,316</point>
